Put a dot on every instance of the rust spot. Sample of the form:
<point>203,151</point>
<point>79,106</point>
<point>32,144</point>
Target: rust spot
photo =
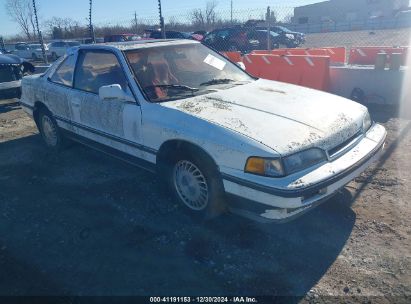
<point>192,107</point>
<point>219,103</point>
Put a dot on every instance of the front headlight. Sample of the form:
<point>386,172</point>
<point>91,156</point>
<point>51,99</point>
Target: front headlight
<point>264,166</point>
<point>303,160</point>
<point>289,36</point>
<point>367,122</point>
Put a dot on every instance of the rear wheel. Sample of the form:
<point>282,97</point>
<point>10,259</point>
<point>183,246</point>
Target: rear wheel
<point>195,182</point>
<point>49,130</point>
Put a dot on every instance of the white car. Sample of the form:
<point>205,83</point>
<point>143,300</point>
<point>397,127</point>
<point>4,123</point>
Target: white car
<point>29,51</point>
<point>179,108</point>
<point>59,48</point>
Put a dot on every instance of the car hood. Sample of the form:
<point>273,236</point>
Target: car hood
<point>284,117</point>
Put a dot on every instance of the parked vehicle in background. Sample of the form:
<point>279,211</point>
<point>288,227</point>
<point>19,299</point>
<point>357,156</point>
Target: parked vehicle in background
<point>12,69</point>
<point>178,108</point>
<point>89,40</point>
<point>288,38</point>
<point>59,48</point>
<point>242,39</point>
<point>156,34</point>
<point>4,51</point>
<point>121,38</point>
<point>262,37</point>
<point>38,52</point>
<point>28,50</point>
<point>403,18</point>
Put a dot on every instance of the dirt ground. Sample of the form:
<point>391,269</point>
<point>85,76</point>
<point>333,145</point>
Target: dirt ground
<point>82,223</point>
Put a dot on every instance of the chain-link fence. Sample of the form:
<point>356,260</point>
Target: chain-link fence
<point>243,30</point>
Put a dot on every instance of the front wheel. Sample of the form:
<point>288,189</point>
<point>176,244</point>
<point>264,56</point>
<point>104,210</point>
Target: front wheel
<point>49,130</point>
<point>196,183</point>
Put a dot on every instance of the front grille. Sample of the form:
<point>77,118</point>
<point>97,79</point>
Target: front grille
<point>341,147</point>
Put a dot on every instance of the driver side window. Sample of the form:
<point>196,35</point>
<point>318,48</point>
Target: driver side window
<point>96,69</point>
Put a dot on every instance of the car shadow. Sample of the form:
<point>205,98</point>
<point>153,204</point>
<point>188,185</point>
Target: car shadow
<point>93,225</point>
<point>290,258</point>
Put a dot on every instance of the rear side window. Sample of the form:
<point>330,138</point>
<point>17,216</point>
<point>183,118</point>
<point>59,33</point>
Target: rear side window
<point>64,73</point>
<point>96,69</point>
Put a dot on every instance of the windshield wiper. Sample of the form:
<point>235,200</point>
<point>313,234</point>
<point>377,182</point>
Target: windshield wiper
<point>216,81</point>
<point>173,86</point>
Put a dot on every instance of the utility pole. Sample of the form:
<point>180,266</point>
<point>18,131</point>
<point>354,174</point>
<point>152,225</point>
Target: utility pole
<point>135,22</point>
<point>162,26</point>
<point>268,21</point>
<point>43,50</point>
<point>231,4</point>
<point>2,46</point>
<point>91,28</point>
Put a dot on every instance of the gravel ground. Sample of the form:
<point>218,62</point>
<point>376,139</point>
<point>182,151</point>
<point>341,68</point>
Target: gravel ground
<point>394,37</point>
<point>82,223</point>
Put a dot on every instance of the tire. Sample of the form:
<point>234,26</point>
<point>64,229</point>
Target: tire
<point>196,183</point>
<point>49,130</point>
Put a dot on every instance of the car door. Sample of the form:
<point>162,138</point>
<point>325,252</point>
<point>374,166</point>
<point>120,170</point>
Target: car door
<point>114,123</point>
<point>59,89</point>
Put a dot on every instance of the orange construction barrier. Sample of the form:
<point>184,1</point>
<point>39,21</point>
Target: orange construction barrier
<point>233,56</point>
<point>336,54</point>
<point>368,55</point>
<point>309,71</point>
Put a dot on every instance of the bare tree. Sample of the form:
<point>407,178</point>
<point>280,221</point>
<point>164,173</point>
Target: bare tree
<point>206,18</point>
<point>64,28</point>
<point>288,18</point>
<point>22,12</point>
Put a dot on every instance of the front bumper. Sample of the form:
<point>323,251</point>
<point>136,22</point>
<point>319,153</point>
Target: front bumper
<point>283,199</point>
<point>11,89</point>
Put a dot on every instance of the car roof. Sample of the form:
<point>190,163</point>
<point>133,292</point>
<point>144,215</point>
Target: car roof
<point>139,44</point>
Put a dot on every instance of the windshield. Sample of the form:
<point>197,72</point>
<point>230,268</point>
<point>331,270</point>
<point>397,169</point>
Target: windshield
<point>182,71</point>
<point>284,29</point>
<point>273,34</point>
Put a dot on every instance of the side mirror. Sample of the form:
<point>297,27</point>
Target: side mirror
<point>114,92</point>
<point>28,67</point>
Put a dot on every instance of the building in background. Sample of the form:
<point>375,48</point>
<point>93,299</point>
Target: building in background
<point>347,10</point>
